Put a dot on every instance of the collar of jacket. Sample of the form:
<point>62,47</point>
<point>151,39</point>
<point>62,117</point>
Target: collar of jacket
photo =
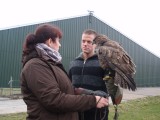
<point>80,56</point>
<point>34,54</point>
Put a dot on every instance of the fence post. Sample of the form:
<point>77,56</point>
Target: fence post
<point>11,85</point>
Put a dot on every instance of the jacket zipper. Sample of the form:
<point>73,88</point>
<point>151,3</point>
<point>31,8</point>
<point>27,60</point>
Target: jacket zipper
<point>83,66</point>
<point>83,71</point>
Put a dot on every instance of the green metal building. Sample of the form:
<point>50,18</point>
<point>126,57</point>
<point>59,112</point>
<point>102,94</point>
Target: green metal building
<point>148,65</point>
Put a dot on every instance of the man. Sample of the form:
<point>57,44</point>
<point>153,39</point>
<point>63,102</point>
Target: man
<point>85,72</point>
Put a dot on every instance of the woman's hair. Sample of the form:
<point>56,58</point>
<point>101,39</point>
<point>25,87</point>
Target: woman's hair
<point>42,33</point>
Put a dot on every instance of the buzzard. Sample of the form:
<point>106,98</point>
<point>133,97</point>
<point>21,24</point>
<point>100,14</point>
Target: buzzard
<point>114,59</point>
<point>119,68</point>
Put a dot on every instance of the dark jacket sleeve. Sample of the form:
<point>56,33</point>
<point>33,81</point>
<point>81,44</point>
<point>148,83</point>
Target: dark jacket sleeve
<point>51,94</point>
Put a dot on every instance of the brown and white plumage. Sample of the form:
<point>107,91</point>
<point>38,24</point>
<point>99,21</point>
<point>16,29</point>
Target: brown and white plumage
<point>111,54</point>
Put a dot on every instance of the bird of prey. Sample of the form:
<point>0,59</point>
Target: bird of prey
<point>119,67</point>
<point>114,58</point>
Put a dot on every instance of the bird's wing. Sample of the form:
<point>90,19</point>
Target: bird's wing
<point>114,56</point>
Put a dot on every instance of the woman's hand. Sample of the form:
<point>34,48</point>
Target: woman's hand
<point>101,101</point>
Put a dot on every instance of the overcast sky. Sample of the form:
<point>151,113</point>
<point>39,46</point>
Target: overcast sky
<point>137,19</point>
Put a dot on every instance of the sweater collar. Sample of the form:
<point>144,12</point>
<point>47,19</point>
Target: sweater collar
<point>80,56</point>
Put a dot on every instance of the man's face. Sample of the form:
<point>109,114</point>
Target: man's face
<point>86,43</point>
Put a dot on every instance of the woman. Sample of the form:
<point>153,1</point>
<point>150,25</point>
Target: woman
<point>46,88</point>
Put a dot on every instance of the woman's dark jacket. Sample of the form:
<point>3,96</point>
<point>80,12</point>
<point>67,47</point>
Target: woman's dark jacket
<point>48,95</point>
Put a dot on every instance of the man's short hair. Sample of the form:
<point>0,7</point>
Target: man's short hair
<point>90,31</point>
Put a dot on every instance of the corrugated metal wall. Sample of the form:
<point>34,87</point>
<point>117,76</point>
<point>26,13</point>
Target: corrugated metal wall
<point>148,65</point>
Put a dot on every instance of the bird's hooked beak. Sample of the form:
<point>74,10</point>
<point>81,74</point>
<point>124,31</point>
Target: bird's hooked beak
<point>94,42</point>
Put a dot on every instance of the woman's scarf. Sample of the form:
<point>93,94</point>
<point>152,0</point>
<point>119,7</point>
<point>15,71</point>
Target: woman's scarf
<point>44,51</point>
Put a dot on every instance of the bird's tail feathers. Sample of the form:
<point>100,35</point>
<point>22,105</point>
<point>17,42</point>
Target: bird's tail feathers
<point>126,81</point>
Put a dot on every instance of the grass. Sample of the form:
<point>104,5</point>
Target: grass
<point>7,92</point>
<point>140,109</point>
<point>17,116</point>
